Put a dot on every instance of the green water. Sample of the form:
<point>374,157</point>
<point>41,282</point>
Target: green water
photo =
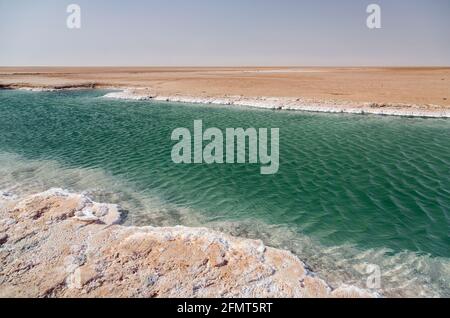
<point>370,182</point>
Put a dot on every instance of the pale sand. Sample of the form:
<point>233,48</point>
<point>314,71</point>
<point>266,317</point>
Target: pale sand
<point>397,91</point>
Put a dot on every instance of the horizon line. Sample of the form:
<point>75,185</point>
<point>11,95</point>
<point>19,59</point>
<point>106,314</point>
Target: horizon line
<point>225,66</point>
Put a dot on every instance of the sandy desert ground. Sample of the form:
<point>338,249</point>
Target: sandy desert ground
<point>420,86</point>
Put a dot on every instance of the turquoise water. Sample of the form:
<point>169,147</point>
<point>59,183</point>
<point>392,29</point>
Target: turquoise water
<point>372,186</point>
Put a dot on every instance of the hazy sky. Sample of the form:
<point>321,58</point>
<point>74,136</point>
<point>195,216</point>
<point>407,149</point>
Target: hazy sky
<point>225,32</point>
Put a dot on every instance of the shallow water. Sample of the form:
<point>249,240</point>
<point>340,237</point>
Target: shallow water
<point>351,190</point>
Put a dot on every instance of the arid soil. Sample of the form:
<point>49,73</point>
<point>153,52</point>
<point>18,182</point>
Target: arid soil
<point>418,86</point>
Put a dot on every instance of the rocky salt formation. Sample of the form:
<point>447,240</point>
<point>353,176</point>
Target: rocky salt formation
<point>61,244</point>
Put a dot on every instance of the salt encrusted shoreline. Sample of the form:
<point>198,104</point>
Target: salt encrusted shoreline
<point>299,104</point>
<point>48,88</point>
<point>62,244</point>
<point>275,103</point>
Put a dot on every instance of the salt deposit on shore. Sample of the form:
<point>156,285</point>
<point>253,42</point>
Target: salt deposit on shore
<point>276,103</point>
<point>61,244</point>
<point>300,104</point>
